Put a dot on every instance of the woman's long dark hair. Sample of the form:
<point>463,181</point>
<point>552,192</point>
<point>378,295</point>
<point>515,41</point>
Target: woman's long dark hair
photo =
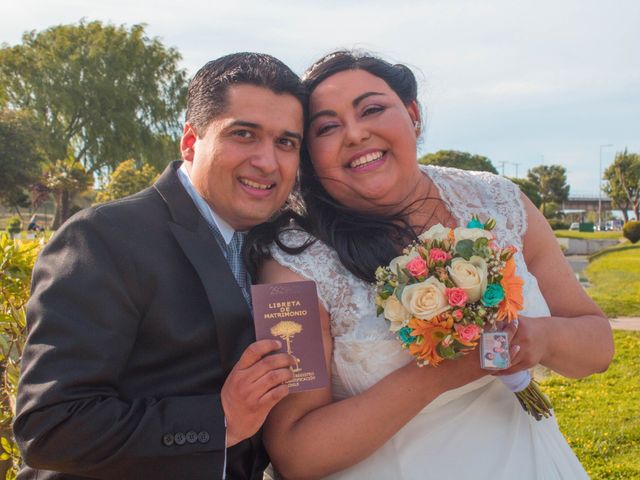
<point>362,241</point>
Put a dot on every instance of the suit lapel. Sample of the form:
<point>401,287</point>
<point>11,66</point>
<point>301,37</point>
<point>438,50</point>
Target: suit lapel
<point>232,316</point>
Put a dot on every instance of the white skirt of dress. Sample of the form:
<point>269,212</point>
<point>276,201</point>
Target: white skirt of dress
<point>478,431</point>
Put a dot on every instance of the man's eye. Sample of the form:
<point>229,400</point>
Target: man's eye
<point>288,142</point>
<point>372,109</point>
<point>242,133</point>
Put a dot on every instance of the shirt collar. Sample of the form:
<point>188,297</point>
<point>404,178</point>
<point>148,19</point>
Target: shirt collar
<point>205,209</point>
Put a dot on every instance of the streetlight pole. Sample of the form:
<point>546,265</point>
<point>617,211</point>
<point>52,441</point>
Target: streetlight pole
<point>600,186</point>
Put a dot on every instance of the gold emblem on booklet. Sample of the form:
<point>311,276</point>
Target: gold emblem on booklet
<point>289,312</point>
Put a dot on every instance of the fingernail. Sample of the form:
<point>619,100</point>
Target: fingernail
<point>516,349</point>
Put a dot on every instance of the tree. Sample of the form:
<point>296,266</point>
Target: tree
<point>455,159</point>
<point>530,189</point>
<point>102,93</point>
<point>551,181</point>
<point>63,179</point>
<point>21,156</point>
<point>623,183</point>
<point>127,180</point>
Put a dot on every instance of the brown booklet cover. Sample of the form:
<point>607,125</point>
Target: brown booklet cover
<point>289,312</point>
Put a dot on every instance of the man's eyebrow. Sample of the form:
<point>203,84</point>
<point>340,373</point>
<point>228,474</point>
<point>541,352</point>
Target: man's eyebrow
<point>243,123</point>
<point>332,113</point>
<point>257,126</point>
<point>295,135</point>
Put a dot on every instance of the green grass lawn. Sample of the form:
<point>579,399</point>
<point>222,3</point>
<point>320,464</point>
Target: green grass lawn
<point>587,235</point>
<point>614,275</point>
<point>600,415</point>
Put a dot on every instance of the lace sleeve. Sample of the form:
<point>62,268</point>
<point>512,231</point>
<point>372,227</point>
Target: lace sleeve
<point>485,195</point>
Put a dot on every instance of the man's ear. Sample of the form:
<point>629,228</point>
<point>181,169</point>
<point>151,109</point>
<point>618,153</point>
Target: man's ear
<point>187,142</point>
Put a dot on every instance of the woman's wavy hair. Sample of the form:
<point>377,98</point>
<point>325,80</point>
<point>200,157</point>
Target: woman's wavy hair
<point>362,240</point>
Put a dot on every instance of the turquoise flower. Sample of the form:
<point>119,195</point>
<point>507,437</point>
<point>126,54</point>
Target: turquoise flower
<point>493,295</point>
<point>404,334</point>
<point>475,223</point>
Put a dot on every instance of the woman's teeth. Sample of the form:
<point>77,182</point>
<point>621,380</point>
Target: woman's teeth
<point>368,158</point>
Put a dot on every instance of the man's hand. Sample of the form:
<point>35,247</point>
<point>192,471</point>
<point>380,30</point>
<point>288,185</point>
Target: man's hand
<point>253,387</point>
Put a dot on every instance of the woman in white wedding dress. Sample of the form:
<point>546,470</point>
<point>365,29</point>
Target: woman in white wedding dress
<point>383,417</point>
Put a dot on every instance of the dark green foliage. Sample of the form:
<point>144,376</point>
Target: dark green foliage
<point>530,189</point>
<point>14,225</point>
<point>21,155</point>
<point>461,160</point>
<point>623,183</point>
<point>631,231</point>
<point>557,224</point>
<point>551,181</point>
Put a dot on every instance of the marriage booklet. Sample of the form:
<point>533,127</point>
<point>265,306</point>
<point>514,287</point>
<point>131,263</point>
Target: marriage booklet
<point>289,312</point>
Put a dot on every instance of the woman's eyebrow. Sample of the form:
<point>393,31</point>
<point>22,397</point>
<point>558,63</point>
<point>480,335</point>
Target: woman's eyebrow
<point>332,113</point>
<point>359,98</point>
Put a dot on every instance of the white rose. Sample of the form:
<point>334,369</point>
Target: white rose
<point>471,234</point>
<point>437,232</point>
<point>395,313</point>
<point>425,300</point>
<point>470,275</point>
<point>402,261</point>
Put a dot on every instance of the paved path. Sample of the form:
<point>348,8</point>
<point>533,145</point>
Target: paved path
<point>625,323</point>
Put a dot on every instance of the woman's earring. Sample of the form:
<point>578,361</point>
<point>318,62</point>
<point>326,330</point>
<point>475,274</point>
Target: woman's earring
<point>416,124</point>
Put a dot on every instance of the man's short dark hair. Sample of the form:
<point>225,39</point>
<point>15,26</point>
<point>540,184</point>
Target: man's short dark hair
<point>207,94</point>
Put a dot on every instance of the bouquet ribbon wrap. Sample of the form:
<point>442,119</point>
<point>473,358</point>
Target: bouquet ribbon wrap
<point>516,382</point>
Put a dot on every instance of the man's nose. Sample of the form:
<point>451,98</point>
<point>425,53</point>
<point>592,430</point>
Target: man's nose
<point>265,158</point>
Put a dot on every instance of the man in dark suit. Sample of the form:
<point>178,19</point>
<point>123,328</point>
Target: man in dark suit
<point>139,362</point>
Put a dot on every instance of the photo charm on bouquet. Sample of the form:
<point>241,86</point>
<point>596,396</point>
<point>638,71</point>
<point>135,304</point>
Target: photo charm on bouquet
<point>449,292</point>
<point>494,351</point>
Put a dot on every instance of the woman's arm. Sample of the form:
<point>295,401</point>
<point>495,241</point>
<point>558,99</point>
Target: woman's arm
<point>346,432</point>
<point>576,339</point>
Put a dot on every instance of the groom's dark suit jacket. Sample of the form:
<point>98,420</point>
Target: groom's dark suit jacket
<point>135,321</point>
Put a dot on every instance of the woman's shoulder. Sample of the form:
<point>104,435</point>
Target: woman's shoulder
<point>482,194</point>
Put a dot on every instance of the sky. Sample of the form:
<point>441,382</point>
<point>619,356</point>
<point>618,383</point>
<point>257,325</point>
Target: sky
<point>520,82</point>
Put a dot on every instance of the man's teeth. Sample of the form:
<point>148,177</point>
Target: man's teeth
<point>368,158</point>
<point>259,186</point>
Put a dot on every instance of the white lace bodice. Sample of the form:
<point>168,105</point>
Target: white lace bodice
<point>364,350</point>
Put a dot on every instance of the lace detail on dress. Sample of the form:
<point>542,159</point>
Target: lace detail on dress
<point>485,195</point>
<point>337,288</point>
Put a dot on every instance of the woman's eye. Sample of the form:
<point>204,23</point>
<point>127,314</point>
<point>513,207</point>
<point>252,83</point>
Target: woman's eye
<point>325,128</point>
<point>370,110</point>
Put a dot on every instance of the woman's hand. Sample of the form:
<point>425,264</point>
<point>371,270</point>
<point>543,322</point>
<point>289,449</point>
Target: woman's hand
<point>527,343</point>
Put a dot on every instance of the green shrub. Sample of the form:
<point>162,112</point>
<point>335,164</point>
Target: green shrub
<point>16,262</point>
<point>14,225</point>
<point>557,224</point>
<point>631,231</point>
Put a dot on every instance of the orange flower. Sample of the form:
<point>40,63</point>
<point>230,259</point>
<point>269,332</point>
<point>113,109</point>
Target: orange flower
<point>431,333</point>
<point>512,284</point>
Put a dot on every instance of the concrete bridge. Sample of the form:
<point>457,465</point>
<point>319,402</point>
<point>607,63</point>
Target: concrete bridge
<point>586,203</point>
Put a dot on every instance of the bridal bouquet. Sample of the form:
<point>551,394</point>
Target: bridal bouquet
<point>446,290</point>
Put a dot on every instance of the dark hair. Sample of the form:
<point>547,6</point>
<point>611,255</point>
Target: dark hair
<point>207,93</point>
<point>363,241</point>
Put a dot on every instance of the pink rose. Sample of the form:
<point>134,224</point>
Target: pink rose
<point>456,297</point>
<point>467,333</point>
<point>438,255</point>
<point>417,267</point>
<point>458,314</point>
